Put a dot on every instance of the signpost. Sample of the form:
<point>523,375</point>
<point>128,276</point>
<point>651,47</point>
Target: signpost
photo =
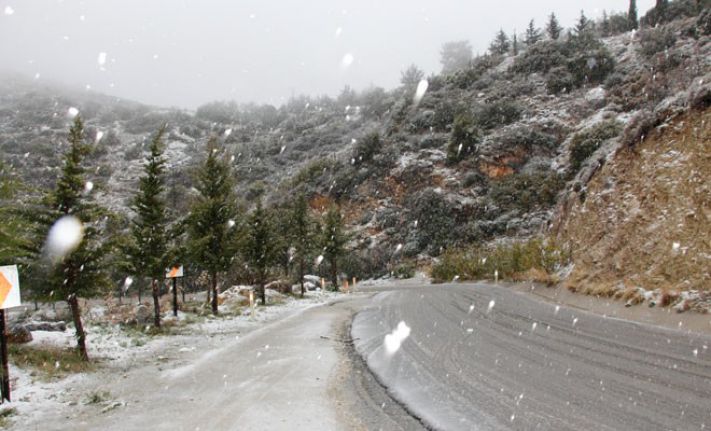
<point>9,297</point>
<point>175,273</point>
<point>251,304</point>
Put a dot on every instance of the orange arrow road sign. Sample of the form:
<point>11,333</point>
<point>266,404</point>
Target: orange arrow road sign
<point>5,288</point>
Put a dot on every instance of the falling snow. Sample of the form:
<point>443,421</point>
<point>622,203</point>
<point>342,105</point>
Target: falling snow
<point>64,237</point>
<point>347,61</point>
<point>394,340</point>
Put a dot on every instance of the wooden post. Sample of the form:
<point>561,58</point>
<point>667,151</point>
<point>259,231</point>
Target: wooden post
<point>3,354</point>
<point>175,297</point>
<point>251,304</point>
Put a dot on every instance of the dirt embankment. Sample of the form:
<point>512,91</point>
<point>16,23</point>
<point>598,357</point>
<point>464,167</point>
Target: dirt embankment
<point>644,220</point>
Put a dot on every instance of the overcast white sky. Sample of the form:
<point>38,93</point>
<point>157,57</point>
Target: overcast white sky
<point>188,52</point>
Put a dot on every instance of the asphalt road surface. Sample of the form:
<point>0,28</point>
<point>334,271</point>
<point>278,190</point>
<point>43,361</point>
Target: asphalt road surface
<point>482,357</point>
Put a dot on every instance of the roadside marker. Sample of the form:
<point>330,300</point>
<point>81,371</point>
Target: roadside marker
<point>175,273</point>
<point>9,297</point>
<point>251,304</point>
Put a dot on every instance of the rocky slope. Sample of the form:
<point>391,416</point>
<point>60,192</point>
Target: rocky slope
<point>643,225</point>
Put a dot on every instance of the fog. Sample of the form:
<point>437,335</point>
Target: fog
<point>185,53</point>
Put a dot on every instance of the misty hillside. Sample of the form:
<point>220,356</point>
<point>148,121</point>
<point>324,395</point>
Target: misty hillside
<point>487,151</point>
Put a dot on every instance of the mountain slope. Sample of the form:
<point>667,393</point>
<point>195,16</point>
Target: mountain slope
<point>645,218</point>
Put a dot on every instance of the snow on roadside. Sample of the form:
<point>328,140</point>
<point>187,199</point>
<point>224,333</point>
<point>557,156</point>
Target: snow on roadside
<point>118,349</point>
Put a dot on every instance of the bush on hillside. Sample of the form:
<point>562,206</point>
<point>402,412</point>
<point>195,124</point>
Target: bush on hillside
<point>579,61</point>
<point>536,257</point>
<point>674,10</point>
<point>654,40</point>
<point>366,148</point>
<point>559,81</point>
<point>526,191</point>
<point>541,58</point>
<point>618,23</point>
<point>464,138</point>
<point>638,127</point>
<point>496,114</point>
<point>585,143</point>
<point>435,220</point>
<point>591,67</point>
<point>524,136</point>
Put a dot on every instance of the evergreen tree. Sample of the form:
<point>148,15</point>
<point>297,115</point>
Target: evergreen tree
<point>11,227</point>
<point>632,15</point>
<point>533,34</point>
<point>501,44</point>
<point>515,44</point>
<point>553,28</point>
<point>583,25</point>
<point>260,247</point>
<point>148,254</point>
<point>411,76</point>
<point>79,271</point>
<point>302,236</point>
<point>661,10</point>
<point>281,231</point>
<point>605,26</point>
<point>334,241</point>
<point>211,223</point>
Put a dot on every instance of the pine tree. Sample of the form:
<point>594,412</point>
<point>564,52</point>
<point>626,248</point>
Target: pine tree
<point>148,254</point>
<point>260,247</point>
<point>11,227</point>
<point>661,10</point>
<point>334,241</point>
<point>632,15</point>
<point>281,231</point>
<point>533,34</point>
<point>501,44</point>
<point>77,272</point>
<point>553,28</point>
<point>301,237</point>
<point>411,76</point>
<point>211,223</point>
<point>605,26</point>
<point>515,44</point>
<point>583,25</point>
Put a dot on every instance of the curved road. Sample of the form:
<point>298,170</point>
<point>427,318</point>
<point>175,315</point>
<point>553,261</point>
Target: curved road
<point>482,357</point>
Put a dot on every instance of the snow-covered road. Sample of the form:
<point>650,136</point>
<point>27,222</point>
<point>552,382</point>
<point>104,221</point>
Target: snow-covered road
<point>482,357</point>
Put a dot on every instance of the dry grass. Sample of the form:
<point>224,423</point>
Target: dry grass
<point>537,275</point>
<point>49,362</point>
<point>645,217</point>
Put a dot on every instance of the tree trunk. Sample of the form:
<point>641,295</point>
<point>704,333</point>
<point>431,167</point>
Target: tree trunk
<point>214,293</point>
<point>81,335</point>
<point>209,295</point>
<point>175,297</point>
<point>156,302</point>
<point>140,290</point>
<point>334,275</point>
<point>262,288</point>
<point>301,275</point>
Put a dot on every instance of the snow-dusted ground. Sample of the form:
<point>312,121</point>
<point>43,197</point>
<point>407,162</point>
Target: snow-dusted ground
<point>119,351</point>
